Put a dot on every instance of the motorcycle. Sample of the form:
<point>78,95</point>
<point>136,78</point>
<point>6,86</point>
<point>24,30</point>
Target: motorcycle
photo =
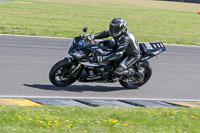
<point>83,64</point>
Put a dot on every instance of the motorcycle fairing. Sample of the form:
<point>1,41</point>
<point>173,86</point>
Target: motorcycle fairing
<point>89,74</point>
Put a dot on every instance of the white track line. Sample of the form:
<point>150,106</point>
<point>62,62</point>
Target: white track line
<point>179,45</point>
<point>100,98</point>
<point>71,38</point>
<point>33,36</point>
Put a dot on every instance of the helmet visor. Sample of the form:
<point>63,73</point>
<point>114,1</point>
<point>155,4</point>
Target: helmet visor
<point>114,30</point>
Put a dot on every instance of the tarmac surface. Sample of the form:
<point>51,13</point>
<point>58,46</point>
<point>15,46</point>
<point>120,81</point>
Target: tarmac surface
<point>26,61</point>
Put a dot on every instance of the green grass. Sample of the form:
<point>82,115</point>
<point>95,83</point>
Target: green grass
<point>169,22</point>
<point>55,119</point>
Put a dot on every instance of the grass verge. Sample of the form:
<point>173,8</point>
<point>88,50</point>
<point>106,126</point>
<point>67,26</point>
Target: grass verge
<point>98,119</point>
<point>169,22</point>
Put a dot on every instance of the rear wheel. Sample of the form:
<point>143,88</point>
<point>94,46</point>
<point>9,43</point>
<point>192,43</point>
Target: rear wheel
<point>138,79</point>
<point>60,74</point>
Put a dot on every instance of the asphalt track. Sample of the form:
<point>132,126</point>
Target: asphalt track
<point>25,63</point>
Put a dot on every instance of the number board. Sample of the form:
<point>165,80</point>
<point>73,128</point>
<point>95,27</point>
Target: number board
<point>152,48</point>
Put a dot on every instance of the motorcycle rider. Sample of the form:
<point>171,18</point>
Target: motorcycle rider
<point>127,46</point>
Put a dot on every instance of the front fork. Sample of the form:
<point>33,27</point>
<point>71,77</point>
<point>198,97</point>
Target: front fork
<point>75,68</point>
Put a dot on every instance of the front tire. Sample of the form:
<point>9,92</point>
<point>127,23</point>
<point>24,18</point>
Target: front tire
<point>60,74</point>
<point>132,85</point>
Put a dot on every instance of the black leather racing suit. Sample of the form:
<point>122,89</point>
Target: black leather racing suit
<point>127,46</point>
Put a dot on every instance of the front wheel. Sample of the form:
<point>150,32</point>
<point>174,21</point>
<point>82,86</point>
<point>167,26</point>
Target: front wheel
<point>137,80</point>
<point>60,74</point>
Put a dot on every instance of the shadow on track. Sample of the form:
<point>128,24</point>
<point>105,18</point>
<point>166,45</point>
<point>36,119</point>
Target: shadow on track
<point>76,88</point>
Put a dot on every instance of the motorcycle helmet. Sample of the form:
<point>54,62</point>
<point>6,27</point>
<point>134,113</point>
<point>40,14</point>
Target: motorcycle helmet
<point>117,27</point>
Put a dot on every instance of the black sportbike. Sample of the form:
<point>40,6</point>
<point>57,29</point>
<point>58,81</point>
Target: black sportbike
<point>84,66</point>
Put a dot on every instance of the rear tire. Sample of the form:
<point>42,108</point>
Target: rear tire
<point>131,85</point>
<point>59,73</point>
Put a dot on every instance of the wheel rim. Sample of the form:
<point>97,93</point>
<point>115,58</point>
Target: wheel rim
<point>63,74</point>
